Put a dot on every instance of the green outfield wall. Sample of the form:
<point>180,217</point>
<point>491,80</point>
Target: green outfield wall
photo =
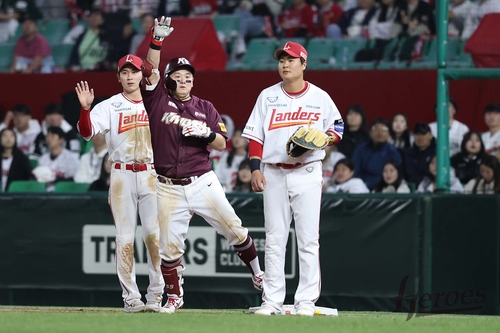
<point>411,253</point>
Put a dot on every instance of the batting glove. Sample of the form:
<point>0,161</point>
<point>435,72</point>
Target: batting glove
<point>199,130</point>
<point>162,28</point>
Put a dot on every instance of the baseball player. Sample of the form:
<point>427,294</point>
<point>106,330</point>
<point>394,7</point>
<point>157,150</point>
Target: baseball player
<point>291,187</point>
<point>182,128</point>
<point>124,121</point>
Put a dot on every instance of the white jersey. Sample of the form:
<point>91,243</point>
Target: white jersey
<point>456,134</point>
<point>64,165</point>
<point>353,185</point>
<point>26,140</point>
<point>227,174</point>
<point>90,166</point>
<point>126,126</point>
<point>329,164</point>
<point>277,115</point>
<point>491,142</point>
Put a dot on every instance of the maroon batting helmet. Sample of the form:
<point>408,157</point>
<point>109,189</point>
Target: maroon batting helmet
<point>174,65</point>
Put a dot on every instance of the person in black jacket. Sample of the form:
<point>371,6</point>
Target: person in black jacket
<point>416,159</point>
<point>14,164</point>
<point>466,163</point>
<point>102,184</point>
<point>355,130</point>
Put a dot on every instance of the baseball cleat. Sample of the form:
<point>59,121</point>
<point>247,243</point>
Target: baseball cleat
<point>257,281</point>
<point>152,306</point>
<point>173,303</point>
<point>264,311</point>
<point>134,306</point>
<point>306,312</point>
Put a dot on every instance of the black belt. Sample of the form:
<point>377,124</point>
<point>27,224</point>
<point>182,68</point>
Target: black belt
<point>176,181</point>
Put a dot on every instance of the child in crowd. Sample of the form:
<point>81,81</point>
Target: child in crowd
<point>345,182</point>
<point>466,162</point>
<point>392,180</point>
<point>488,179</point>
<point>243,178</point>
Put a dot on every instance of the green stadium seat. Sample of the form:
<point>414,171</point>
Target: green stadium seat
<point>85,146</point>
<point>301,40</point>
<point>349,48</point>
<point>227,24</point>
<point>61,54</point>
<point>71,187</point>
<point>321,53</point>
<point>32,186</point>
<point>55,30</point>
<point>6,56</point>
<point>33,162</point>
<point>259,54</point>
<point>136,24</point>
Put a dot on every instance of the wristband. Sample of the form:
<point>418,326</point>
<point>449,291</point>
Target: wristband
<point>254,164</point>
<point>211,137</point>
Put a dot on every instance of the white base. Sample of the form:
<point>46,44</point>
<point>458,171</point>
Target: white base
<point>288,309</point>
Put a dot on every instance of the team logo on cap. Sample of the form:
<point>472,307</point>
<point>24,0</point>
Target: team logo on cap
<point>286,47</point>
<point>129,59</point>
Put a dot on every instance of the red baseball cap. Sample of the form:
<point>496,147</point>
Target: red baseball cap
<point>130,59</point>
<point>293,49</point>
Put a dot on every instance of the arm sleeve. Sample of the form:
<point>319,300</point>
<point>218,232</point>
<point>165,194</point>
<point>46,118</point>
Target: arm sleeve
<point>255,149</point>
<point>85,124</point>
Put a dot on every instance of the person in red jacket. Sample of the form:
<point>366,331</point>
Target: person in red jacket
<point>328,14</point>
<point>297,20</point>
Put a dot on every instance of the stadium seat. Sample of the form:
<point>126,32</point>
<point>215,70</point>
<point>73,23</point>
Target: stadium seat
<point>136,24</point>
<point>227,24</point>
<point>259,54</point>
<point>85,146</point>
<point>321,53</point>
<point>301,40</point>
<point>55,30</point>
<point>71,187</point>
<point>6,56</point>
<point>348,48</point>
<point>33,162</point>
<point>19,186</point>
<point>61,54</point>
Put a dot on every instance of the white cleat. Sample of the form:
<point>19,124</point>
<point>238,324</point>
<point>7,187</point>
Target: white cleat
<point>173,303</point>
<point>264,311</point>
<point>306,312</point>
<point>152,306</point>
<point>134,306</point>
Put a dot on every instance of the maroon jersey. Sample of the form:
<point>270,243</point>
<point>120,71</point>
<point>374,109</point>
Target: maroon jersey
<point>175,155</point>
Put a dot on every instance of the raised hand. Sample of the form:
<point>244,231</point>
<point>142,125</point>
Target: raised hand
<point>85,94</point>
<point>162,28</point>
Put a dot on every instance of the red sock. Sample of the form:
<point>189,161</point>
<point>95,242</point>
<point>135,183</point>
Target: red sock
<point>172,275</point>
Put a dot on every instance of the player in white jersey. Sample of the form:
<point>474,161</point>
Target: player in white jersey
<point>291,187</point>
<point>491,139</point>
<point>125,123</point>
<point>456,129</point>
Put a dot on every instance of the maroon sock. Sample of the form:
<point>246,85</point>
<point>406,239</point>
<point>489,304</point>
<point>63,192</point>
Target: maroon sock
<point>171,276</point>
<point>247,252</point>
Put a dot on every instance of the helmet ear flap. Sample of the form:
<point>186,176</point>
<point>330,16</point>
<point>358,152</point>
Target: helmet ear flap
<point>170,84</point>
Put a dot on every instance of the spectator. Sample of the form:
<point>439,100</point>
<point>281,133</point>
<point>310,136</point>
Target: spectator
<point>227,168</point>
<point>32,53</point>
<point>392,180</point>
<point>296,20</point>
<point>203,8</point>
<point>54,116</point>
<point>26,129</point>
<point>354,22</point>
<point>429,185</point>
<point>59,160</point>
<point>370,157</point>
<point>457,14</point>
<point>345,182</point>
<point>215,155</point>
<point>332,156</point>
<point>476,13</point>
<point>228,6</point>
<point>243,183</point>
<point>90,50</point>
<point>416,159</point>
<point>414,22</point>
<point>355,132</point>
<point>103,181</point>
<point>491,139</point>
<point>53,9</point>
<point>173,8</point>
<point>381,30</point>
<point>90,165</point>
<point>13,11</point>
<point>327,16</point>
<point>14,165</point>
<point>456,130</point>
<point>117,33</point>
<point>401,137</point>
<point>138,8</point>
<point>488,179</point>
<point>466,162</point>
<point>147,21</point>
